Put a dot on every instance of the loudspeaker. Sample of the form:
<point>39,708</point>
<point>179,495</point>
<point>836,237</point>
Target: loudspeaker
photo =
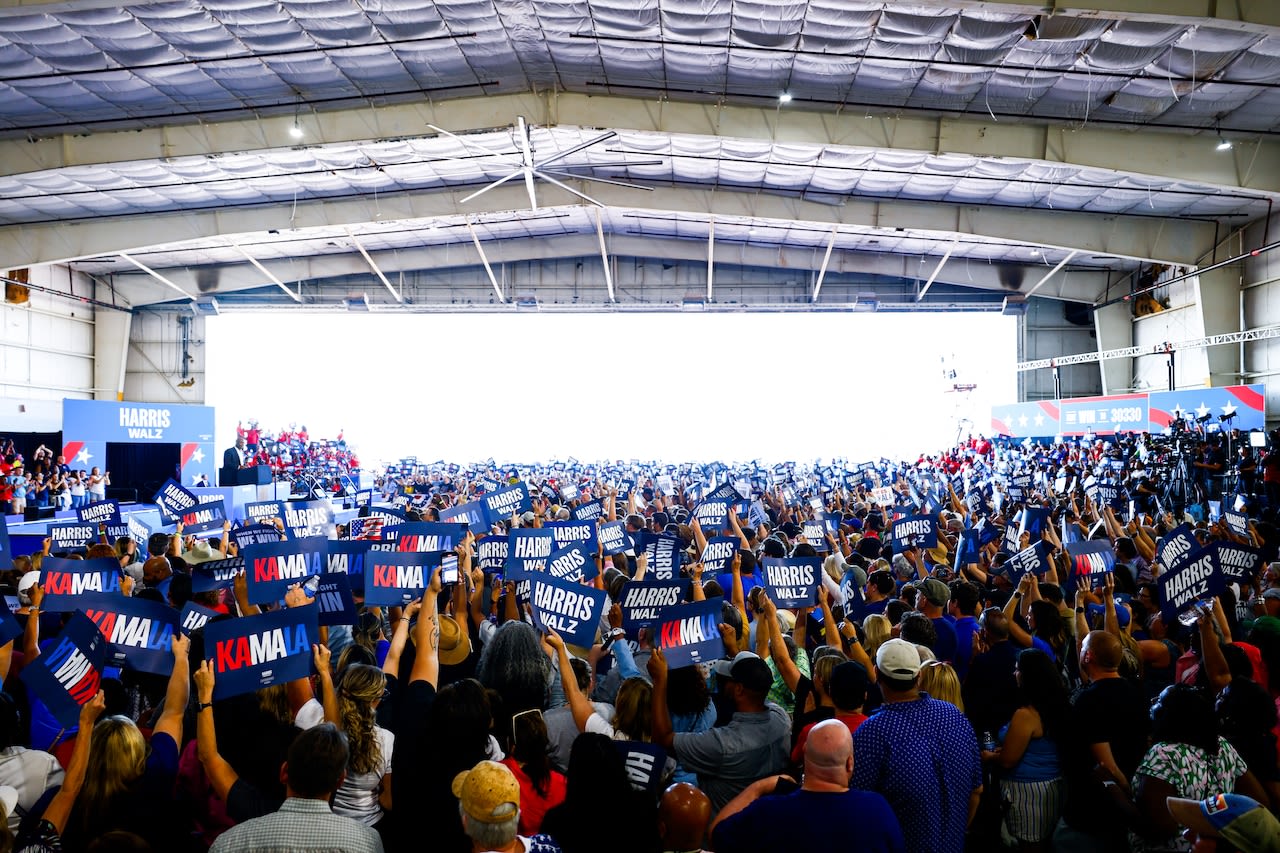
<point>38,513</point>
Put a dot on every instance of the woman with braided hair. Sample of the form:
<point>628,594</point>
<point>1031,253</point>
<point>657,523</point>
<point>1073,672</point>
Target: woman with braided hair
<point>366,792</point>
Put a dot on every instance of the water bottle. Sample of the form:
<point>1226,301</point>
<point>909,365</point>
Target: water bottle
<point>989,742</point>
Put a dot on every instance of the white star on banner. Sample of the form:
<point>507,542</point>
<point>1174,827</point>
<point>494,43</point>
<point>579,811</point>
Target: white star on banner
<point>1202,410</point>
<point>1022,420</point>
<point>197,455</point>
<point>1228,410</point>
<point>84,456</point>
<point>1039,420</point>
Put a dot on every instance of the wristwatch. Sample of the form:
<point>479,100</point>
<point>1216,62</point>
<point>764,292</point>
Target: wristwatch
<point>615,634</point>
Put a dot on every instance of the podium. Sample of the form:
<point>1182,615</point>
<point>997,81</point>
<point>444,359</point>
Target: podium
<point>259,475</point>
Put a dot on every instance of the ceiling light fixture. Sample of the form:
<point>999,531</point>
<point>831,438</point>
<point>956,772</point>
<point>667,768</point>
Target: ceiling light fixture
<point>784,98</point>
<point>1223,144</point>
<point>1035,253</point>
<point>295,130</point>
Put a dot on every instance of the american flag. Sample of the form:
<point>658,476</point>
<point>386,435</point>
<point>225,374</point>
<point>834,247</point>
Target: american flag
<point>366,528</point>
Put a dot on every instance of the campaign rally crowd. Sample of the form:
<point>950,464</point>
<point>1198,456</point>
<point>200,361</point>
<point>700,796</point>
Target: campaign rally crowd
<point>1002,646</point>
<point>293,454</point>
<point>46,480</point>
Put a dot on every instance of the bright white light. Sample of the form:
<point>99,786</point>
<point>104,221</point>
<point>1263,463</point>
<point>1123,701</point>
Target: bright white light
<point>1223,144</point>
<point>1035,253</point>
<point>602,386</point>
<point>295,131</point>
<point>784,98</point>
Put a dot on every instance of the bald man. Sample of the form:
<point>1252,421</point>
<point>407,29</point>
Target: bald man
<point>822,815</point>
<point>1108,728</point>
<point>683,815</point>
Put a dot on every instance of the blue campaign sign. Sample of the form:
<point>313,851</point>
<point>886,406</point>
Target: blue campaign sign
<point>1237,523</point>
<point>568,532</point>
<point>718,556</point>
<point>662,553</point>
<point>645,763</point>
<point>348,557</point>
<point>491,553</point>
<point>204,518</point>
<point>6,553</point>
<point>216,574</point>
<point>504,503</point>
<point>642,601</point>
<point>527,551</point>
<point>425,536</point>
<point>1104,415</point>
<point>1197,577</point>
<point>1034,519</point>
<point>712,515</point>
<point>76,584</point>
<point>256,534</point>
<point>471,514</point>
<point>258,651</point>
<point>1240,407</point>
<point>310,518</point>
<point>9,627</point>
<point>1237,563</point>
<point>71,536</point>
<point>589,511</point>
<point>573,562</point>
<point>107,512</point>
<point>792,582</point>
<point>88,425</point>
<point>68,675</point>
<point>194,617</point>
<point>815,533</point>
<point>134,529</point>
<point>1176,547</point>
<point>690,633</point>
<point>915,531</point>
<point>1090,560</point>
<point>139,632</point>
<point>613,537</point>
<point>174,500</point>
<point>395,578</point>
<point>337,607</point>
<point>271,568</point>
<point>570,609</point>
<point>725,492</point>
<point>364,497</point>
<point>1034,558</point>
<point>259,511</point>
<point>1023,420</point>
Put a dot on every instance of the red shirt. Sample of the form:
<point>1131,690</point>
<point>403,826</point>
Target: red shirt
<point>533,806</point>
<point>852,721</point>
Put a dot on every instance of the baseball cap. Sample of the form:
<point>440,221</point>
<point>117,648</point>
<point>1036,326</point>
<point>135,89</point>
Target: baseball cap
<point>1272,592</point>
<point>488,792</point>
<point>936,591</point>
<point>1099,611</point>
<point>1238,819</point>
<point>897,658</point>
<point>748,669</point>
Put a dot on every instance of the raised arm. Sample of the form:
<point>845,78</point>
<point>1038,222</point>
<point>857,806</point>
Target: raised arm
<point>426,664</point>
<point>399,636</point>
<point>220,773</point>
<point>179,690</point>
<point>31,636</point>
<point>663,733</point>
<point>59,808</point>
<point>328,696</point>
<point>578,704</point>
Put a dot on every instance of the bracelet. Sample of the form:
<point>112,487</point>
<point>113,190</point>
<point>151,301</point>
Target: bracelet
<point>203,705</point>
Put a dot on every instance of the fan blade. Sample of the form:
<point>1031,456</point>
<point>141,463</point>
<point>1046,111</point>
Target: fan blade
<point>488,152</point>
<point>582,196</point>
<point>597,180</point>
<point>575,149</point>
<point>496,183</point>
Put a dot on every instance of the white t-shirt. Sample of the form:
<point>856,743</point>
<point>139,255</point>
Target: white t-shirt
<point>32,772</point>
<point>358,796</point>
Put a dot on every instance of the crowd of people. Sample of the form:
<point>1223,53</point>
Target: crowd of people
<point>46,480</point>
<point>292,454</point>
<point>932,698</point>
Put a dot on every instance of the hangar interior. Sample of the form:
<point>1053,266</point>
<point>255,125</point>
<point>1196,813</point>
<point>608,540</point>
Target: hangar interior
<point>1105,171</point>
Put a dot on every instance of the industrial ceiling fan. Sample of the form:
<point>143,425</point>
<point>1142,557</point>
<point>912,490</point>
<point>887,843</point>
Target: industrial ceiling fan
<point>526,166</point>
